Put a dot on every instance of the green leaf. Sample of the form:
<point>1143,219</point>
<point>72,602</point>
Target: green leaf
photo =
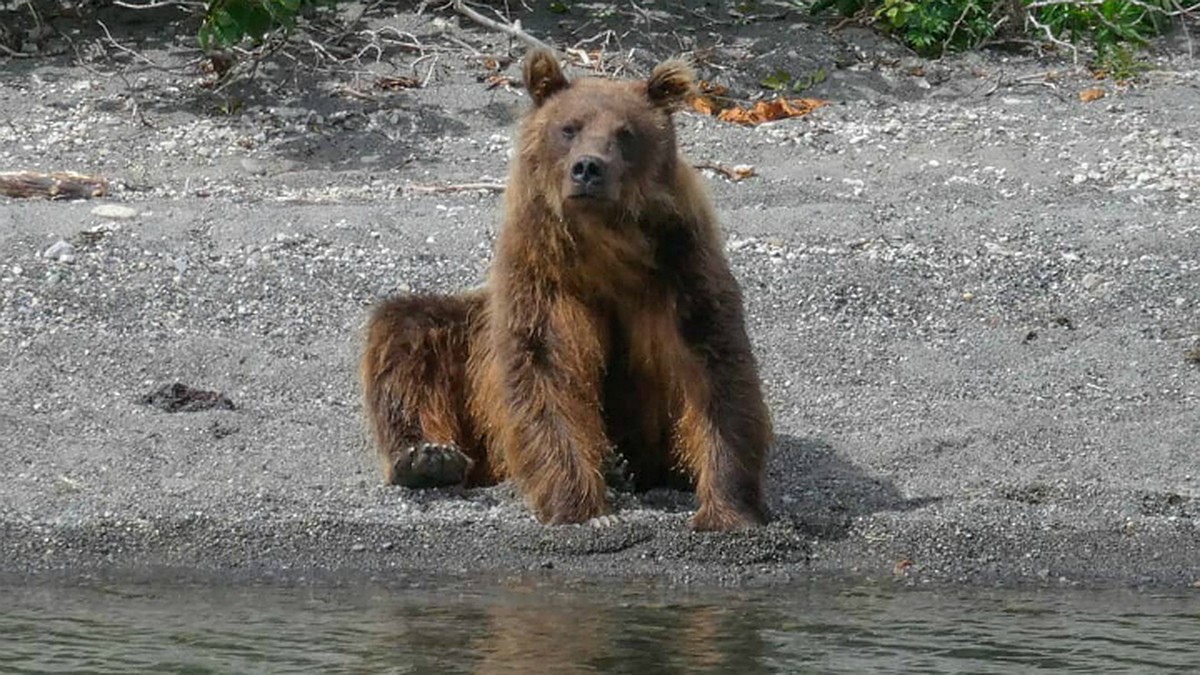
<point>810,81</point>
<point>777,81</point>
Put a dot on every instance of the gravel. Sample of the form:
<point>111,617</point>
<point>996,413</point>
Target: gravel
<point>972,295</point>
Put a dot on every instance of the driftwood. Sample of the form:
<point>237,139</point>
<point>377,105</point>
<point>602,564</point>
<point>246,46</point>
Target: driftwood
<point>512,30</point>
<point>58,185</point>
<point>455,187</point>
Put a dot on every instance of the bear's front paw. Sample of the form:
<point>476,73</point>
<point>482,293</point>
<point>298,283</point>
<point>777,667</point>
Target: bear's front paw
<point>571,510</point>
<point>430,465</point>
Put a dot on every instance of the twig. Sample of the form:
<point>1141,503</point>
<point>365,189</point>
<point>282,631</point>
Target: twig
<point>455,187</point>
<point>1050,36</point>
<point>140,57</point>
<point>954,29</point>
<point>155,5</point>
<point>354,93</point>
<point>1183,24</point>
<point>13,53</point>
<point>429,74</point>
<point>510,30</point>
<point>263,53</point>
<point>735,174</point>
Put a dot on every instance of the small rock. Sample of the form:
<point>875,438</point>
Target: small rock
<point>1091,281</point>
<point>179,397</point>
<point>60,251</point>
<point>115,211</point>
<point>253,166</point>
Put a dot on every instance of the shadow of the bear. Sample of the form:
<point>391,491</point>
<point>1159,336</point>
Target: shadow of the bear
<point>813,493</point>
<point>821,493</point>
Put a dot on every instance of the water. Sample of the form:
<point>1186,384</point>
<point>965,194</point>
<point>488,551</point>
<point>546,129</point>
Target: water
<point>531,628</point>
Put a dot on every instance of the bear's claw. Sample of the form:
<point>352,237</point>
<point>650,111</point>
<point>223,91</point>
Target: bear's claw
<point>430,465</point>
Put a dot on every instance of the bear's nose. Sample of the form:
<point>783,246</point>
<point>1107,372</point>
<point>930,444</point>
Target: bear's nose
<point>588,171</point>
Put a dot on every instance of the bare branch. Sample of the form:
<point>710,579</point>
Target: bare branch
<point>734,174</point>
<point>127,50</point>
<point>157,4</point>
<point>13,53</point>
<point>511,30</point>
<point>455,187</point>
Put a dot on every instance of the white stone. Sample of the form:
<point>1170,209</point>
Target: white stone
<point>60,251</point>
<point>115,211</point>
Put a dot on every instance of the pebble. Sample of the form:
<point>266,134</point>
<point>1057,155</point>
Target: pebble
<point>1091,280</point>
<point>115,211</point>
<point>60,251</point>
<point>253,166</point>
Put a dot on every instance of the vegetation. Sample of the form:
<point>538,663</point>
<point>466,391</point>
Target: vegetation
<point>936,27</point>
<point>229,22</point>
<point>932,28</point>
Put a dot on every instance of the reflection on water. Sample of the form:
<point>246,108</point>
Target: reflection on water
<point>544,628</point>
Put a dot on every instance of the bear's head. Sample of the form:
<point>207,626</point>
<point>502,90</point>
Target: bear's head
<point>598,146</point>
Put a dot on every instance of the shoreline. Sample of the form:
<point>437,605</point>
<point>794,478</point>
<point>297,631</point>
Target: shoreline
<point>972,307</point>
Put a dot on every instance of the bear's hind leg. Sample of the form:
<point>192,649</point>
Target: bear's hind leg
<point>414,388</point>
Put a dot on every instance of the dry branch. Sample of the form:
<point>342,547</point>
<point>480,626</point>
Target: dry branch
<point>511,30</point>
<point>733,173</point>
<point>455,187</point>
<point>58,185</point>
<point>14,53</point>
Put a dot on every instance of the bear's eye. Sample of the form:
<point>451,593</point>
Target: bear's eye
<point>626,137</point>
<point>570,131</point>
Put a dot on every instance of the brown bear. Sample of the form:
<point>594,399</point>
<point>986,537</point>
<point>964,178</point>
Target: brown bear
<point>610,322</point>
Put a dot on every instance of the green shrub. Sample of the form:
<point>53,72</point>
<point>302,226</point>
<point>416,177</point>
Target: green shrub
<point>229,22</point>
<point>935,27</point>
<point>1106,24</point>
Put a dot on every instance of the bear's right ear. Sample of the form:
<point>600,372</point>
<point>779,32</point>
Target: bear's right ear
<point>543,76</point>
<point>671,84</point>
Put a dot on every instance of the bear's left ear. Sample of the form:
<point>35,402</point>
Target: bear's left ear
<point>543,76</point>
<point>670,85</point>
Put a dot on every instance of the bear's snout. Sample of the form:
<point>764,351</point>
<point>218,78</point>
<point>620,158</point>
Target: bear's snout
<point>588,177</point>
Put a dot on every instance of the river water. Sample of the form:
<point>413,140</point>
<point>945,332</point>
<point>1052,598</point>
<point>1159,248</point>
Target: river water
<point>524,627</point>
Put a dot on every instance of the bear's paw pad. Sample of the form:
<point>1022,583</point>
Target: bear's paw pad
<point>430,465</point>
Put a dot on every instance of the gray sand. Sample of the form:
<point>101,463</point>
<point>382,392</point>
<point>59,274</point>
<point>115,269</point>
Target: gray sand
<point>972,296</point>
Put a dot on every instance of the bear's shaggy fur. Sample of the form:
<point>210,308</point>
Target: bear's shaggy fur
<point>610,320</point>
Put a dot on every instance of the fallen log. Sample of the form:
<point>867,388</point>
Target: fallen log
<point>57,185</point>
